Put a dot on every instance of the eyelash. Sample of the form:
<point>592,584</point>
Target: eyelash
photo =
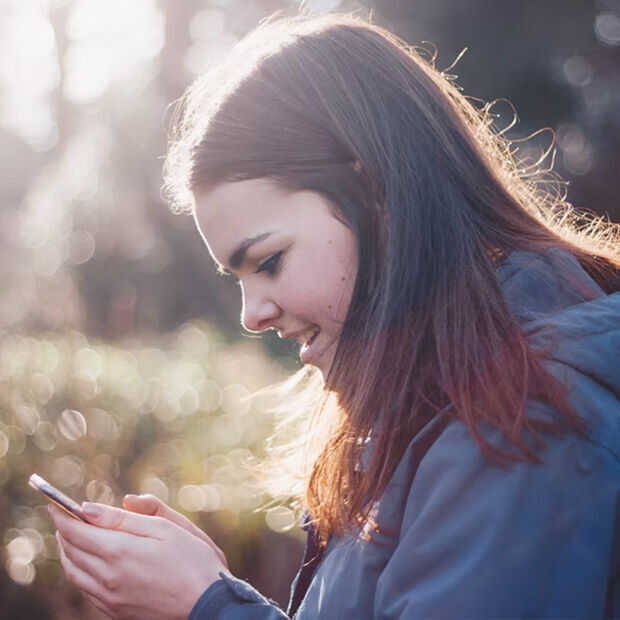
<point>271,265</point>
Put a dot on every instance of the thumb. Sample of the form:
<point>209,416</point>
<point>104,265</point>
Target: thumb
<point>144,504</point>
<point>112,518</point>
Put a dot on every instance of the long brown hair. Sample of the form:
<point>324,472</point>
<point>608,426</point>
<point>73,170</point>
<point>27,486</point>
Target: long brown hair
<point>436,199</point>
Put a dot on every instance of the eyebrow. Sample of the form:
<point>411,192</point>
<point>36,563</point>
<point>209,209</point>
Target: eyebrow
<point>238,254</point>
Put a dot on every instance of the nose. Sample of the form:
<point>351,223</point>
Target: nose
<point>258,311</point>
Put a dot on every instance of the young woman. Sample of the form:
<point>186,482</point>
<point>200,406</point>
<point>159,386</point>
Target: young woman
<point>464,323</point>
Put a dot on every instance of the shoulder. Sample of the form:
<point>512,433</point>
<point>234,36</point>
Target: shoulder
<point>455,463</point>
<point>538,284</point>
<point>480,541</point>
<point>566,315</point>
<point>569,500</point>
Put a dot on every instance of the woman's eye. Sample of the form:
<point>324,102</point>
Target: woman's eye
<point>271,264</point>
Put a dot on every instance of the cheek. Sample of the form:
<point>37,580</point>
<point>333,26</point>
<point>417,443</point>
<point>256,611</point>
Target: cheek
<point>343,279</point>
<point>309,290</point>
<point>343,291</point>
<point>336,288</point>
<point>319,282</point>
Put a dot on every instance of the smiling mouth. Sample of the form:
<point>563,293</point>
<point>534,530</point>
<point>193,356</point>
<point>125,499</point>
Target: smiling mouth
<point>307,350</point>
<point>308,343</point>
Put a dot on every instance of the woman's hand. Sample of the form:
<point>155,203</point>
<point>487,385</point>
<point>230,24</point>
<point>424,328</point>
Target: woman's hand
<point>134,566</point>
<point>152,505</point>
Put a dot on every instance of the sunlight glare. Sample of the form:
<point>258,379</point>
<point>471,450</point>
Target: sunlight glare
<point>109,42</point>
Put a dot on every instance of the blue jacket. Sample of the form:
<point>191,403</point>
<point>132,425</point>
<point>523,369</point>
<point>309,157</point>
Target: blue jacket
<point>475,540</point>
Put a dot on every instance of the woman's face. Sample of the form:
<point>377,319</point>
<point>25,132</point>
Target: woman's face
<point>295,262</point>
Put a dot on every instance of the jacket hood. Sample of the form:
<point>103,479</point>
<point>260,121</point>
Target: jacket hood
<point>562,309</point>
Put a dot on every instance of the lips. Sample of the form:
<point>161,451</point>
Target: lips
<point>312,338</point>
<point>308,350</point>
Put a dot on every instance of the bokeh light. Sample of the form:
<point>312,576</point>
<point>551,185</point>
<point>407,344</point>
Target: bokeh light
<point>42,388</point>
<point>155,486</point>
<point>21,548</point>
<point>88,363</point>
<point>68,471</point>
<point>17,440</point>
<point>576,149</point>
<point>21,572</point>
<point>212,497</point>
<point>99,491</point>
<point>81,247</point>
<point>577,70</point>
<point>109,41</point>
<point>28,418</point>
<point>235,400</point>
<point>4,444</point>
<point>72,424</point>
<point>191,497</point>
<point>45,436</point>
<point>210,40</point>
<point>101,425</point>
<point>607,28</point>
<point>29,71</point>
<point>280,518</point>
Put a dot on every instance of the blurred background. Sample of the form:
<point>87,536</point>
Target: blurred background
<point>122,365</point>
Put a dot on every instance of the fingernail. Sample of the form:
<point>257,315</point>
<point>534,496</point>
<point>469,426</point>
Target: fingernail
<point>91,510</point>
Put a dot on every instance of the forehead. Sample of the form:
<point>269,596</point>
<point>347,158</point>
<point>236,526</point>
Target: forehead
<point>234,211</point>
<point>238,207</point>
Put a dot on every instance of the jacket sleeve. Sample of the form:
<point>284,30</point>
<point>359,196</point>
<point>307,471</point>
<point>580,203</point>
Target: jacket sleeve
<point>233,599</point>
<point>479,541</point>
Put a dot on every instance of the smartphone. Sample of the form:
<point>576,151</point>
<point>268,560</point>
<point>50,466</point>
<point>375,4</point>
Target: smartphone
<point>61,500</point>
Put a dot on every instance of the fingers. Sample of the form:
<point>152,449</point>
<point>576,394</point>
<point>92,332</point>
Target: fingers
<point>82,580</point>
<point>98,541</point>
<point>144,504</point>
<point>113,518</point>
<point>88,563</point>
<point>152,505</point>
<point>102,607</point>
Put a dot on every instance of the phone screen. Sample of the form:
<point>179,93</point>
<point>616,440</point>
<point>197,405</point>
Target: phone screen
<point>61,500</point>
